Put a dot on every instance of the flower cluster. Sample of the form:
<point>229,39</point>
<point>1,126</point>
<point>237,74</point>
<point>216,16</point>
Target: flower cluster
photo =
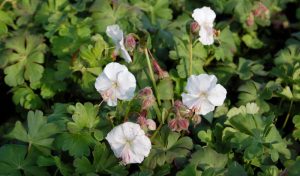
<point>128,140</point>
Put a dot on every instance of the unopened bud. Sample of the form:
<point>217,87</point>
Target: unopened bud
<point>261,11</point>
<point>178,124</point>
<point>151,124</point>
<point>195,27</point>
<point>147,97</point>
<point>141,120</point>
<point>158,70</point>
<point>130,42</point>
<point>250,19</point>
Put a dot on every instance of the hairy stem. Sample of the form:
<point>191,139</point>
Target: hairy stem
<point>152,77</point>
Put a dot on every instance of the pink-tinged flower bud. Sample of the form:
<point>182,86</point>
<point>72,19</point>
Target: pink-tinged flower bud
<point>261,11</point>
<point>195,27</point>
<point>250,20</point>
<point>159,71</point>
<point>130,42</point>
<point>179,124</point>
<point>181,110</point>
<point>141,120</point>
<point>147,97</point>
<point>151,124</point>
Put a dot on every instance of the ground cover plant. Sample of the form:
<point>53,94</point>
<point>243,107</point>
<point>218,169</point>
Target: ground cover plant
<point>150,87</point>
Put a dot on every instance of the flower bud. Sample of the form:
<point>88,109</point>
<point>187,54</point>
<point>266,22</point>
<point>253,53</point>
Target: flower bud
<point>195,27</point>
<point>250,19</point>
<point>181,110</point>
<point>151,124</point>
<point>141,120</point>
<point>179,124</point>
<point>159,71</point>
<point>130,42</point>
<point>147,97</point>
<point>261,11</point>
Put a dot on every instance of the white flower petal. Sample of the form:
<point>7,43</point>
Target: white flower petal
<point>200,83</point>
<point>190,100</point>
<point>112,69</point>
<point>206,35</point>
<point>102,83</point>
<point>114,32</point>
<point>126,85</point>
<point>141,146</point>
<point>204,16</point>
<point>217,95</point>
<point>205,107</point>
<point>124,54</point>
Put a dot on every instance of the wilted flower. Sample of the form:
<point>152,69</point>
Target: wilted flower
<point>115,82</point>
<point>130,42</point>
<point>114,32</point>
<point>203,94</point>
<point>196,119</point>
<point>147,97</point>
<point>178,124</point>
<point>158,70</point>
<point>129,142</point>
<point>205,18</point>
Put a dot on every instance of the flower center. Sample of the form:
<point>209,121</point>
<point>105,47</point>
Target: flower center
<point>114,85</point>
<point>203,95</point>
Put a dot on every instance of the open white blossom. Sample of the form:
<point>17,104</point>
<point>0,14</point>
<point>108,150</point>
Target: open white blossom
<point>205,18</point>
<point>203,93</point>
<point>115,82</point>
<point>114,32</point>
<point>129,142</point>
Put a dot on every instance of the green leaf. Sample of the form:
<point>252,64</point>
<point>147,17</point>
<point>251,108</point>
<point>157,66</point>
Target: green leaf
<point>14,160</point>
<point>165,89</point>
<point>252,41</point>
<point>50,85</point>
<point>168,146</point>
<point>38,133</point>
<point>235,169</point>
<point>296,132</point>
<point>26,98</point>
<point>78,145</point>
<point>25,59</point>
<point>84,116</point>
<point>208,158</point>
<point>190,169</point>
<point>103,163</point>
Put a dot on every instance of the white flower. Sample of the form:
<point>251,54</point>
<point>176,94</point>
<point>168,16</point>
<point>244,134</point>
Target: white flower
<point>115,82</point>
<point>114,32</point>
<point>129,142</point>
<point>203,94</point>
<point>205,18</point>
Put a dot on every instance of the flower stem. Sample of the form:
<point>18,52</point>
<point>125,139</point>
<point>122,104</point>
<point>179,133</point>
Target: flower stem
<point>152,76</point>
<point>156,131</point>
<point>190,54</point>
<point>288,115</point>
